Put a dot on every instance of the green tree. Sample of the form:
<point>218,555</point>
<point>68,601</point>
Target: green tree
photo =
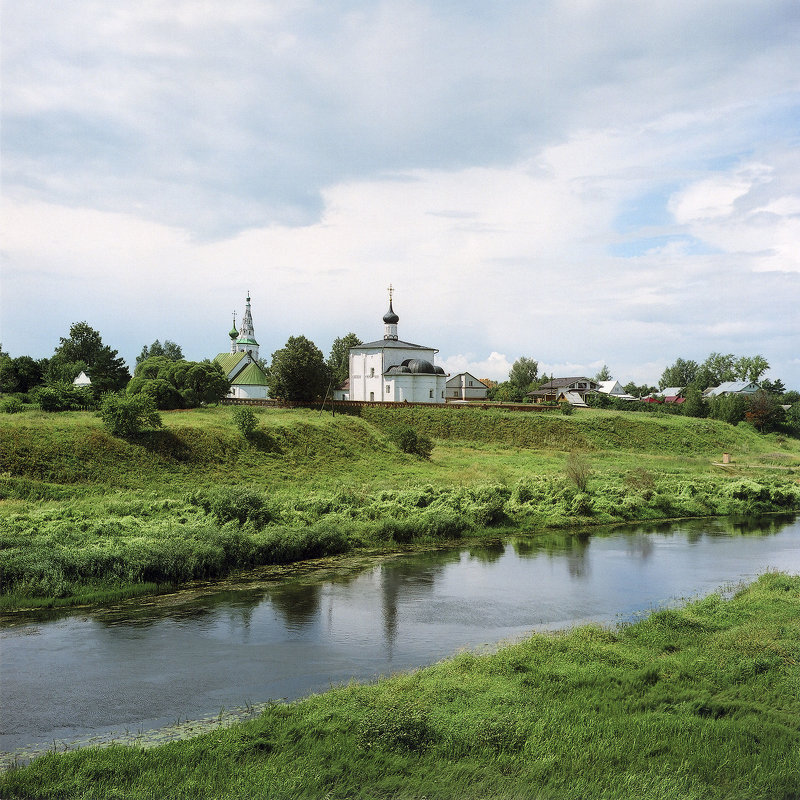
<point>523,374</point>
<point>764,411</point>
<point>793,417</point>
<point>298,371</point>
<point>19,374</point>
<point>750,368</point>
<point>127,415</point>
<point>635,390</point>
<point>506,392</point>
<point>694,406</point>
<point>179,384</point>
<point>774,387</point>
<point>168,350</point>
<point>107,371</point>
<point>604,374</point>
<point>338,361</point>
<point>729,408</point>
<point>681,373</point>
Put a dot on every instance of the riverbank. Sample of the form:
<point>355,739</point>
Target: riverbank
<point>86,517</point>
<point>698,702</point>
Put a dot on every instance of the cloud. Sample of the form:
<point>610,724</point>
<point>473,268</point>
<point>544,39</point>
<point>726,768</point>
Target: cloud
<point>548,180</point>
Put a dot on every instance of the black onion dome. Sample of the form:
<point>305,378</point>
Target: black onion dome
<point>390,318</point>
<point>419,366</point>
<point>438,370</point>
<point>398,369</point>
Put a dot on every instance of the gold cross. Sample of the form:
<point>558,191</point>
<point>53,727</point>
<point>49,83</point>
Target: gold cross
<point>390,292</point>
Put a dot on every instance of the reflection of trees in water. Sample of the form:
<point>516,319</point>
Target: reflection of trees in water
<point>487,553</point>
<point>409,577</point>
<point>577,562</point>
<point>551,544</point>
<point>639,544</point>
<point>298,602</point>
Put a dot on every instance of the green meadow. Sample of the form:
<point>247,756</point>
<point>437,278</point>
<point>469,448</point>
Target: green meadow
<point>697,703</point>
<point>87,517</point>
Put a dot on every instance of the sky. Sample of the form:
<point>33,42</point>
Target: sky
<point>581,182</point>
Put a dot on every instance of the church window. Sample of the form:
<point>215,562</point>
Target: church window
<point>388,389</point>
<point>430,394</point>
<point>372,396</point>
<point>372,372</point>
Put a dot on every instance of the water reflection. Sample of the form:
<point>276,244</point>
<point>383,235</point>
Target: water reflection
<point>187,655</point>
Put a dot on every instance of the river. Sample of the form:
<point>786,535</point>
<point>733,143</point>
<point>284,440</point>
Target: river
<point>105,672</point>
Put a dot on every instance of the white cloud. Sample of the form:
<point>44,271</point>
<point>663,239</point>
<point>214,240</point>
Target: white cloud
<point>546,179</point>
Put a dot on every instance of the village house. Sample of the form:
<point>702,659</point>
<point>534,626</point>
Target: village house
<point>732,387</point>
<point>565,390</point>
<point>465,386</point>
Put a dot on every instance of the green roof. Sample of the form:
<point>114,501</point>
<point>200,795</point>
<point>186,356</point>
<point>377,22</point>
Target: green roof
<point>251,375</point>
<point>246,340</point>
<point>229,360</point>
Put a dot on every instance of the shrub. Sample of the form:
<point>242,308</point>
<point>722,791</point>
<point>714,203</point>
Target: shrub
<point>63,397</point>
<point>567,409</point>
<point>128,415</point>
<point>12,405</point>
<point>245,420</point>
<point>578,470</point>
<point>409,441</point>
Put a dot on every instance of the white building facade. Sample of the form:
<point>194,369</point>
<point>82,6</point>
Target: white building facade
<point>393,371</point>
<point>466,387</point>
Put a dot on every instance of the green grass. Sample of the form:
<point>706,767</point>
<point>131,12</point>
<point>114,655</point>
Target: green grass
<point>86,516</point>
<point>699,703</point>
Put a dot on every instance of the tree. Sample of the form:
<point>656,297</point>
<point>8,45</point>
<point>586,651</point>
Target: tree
<point>773,387</point>
<point>523,374</point>
<point>681,373</point>
<point>107,371</point>
<point>19,374</point>
<point>750,368</point>
<point>729,408</point>
<point>338,361</point>
<point>604,374</point>
<point>298,371</point>
<point>694,406</point>
<point>168,350</point>
<point>179,384</point>
<point>635,390</point>
<point>764,411</point>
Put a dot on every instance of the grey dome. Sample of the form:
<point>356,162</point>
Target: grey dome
<point>419,366</point>
<point>398,369</point>
<point>390,318</point>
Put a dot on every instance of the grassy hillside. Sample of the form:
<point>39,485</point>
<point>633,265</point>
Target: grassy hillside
<point>700,702</point>
<point>84,515</point>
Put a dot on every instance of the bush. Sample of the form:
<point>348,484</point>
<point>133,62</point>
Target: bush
<point>578,470</point>
<point>128,415</point>
<point>63,397</point>
<point>12,405</point>
<point>567,409</point>
<point>409,441</point>
<point>245,420</point>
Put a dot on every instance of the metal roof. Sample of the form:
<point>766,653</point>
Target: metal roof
<point>396,344</point>
<point>251,375</point>
<point>229,360</point>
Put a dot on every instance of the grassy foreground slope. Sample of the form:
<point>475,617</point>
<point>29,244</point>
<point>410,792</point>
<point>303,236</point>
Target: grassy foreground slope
<point>84,515</point>
<point>691,704</point>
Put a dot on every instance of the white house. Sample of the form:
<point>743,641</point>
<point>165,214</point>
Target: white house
<point>565,390</point>
<point>732,387</point>
<point>390,370</point>
<point>465,387</point>
<point>82,380</point>
<point>240,365</point>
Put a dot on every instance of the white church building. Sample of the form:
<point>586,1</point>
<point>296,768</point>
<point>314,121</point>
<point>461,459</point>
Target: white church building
<point>240,365</point>
<point>393,371</point>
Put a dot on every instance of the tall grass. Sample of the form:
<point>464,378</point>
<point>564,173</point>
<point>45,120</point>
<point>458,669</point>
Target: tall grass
<point>84,515</point>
